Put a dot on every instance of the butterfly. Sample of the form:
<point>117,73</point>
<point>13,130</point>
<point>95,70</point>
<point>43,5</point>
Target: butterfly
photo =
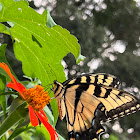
<point>89,100</point>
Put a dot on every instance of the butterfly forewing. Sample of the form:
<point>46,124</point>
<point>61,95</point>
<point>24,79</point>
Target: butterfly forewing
<point>100,79</point>
<point>89,100</point>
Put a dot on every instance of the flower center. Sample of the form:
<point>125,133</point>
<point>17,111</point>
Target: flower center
<point>37,97</point>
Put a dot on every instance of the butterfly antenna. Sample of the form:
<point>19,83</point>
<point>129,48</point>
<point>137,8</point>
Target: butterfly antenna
<point>48,88</point>
<point>49,91</point>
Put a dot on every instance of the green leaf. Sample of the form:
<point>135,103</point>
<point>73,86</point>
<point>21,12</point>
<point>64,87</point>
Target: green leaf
<point>40,48</point>
<point>55,110</point>
<point>15,104</point>
<point>49,115</point>
<point>17,114</point>
<point>26,136</point>
<point>42,131</point>
<point>2,98</point>
<point>80,58</point>
<point>0,7</point>
<point>2,29</point>
<point>8,93</point>
<point>2,53</point>
<point>52,118</point>
<point>60,137</point>
<point>19,131</point>
<point>3,59</point>
<point>50,21</point>
<point>2,113</point>
<point>5,29</point>
<point>2,138</point>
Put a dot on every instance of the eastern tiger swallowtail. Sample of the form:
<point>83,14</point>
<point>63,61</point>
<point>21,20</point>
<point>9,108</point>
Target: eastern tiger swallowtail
<point>89,100</point>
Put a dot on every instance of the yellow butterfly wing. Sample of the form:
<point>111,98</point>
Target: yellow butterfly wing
<point>118,103</point>
<point>85,111</point>
<point>81,113</point>
<point>89,100</point>
<point>100,79</point>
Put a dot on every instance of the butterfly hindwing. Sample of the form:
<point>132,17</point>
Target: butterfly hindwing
<point>118,103</point>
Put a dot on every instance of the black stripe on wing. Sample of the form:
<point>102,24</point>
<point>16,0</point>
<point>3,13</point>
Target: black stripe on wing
<point>90,134</point>
<point>97,79</point>
<point>77,93</point>
<point>118,103</point>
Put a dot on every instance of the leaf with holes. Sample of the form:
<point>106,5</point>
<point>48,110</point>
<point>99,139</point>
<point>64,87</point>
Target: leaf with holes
<point>39,47</point>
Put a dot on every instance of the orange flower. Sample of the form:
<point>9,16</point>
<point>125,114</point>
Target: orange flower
<point>36,98</point>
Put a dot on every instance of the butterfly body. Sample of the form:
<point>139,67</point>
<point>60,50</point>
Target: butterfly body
<point>89,100</point>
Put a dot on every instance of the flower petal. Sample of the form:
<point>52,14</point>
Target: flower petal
<point>18,87</point>
<point>43,113</point>
<point>33,118</point>
<point>14,84</point>
<point>48,126</point>
<point>7,70</point>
